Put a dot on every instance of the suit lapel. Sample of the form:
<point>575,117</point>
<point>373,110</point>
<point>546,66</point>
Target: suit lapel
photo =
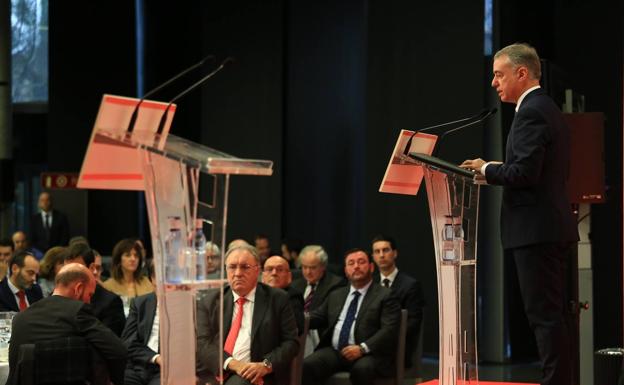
<point>368,298</point>
<point>340,297</point>
<point>260,309</point>
<point>150,311</point>
<point>8,294</point>
<point>228,306</point>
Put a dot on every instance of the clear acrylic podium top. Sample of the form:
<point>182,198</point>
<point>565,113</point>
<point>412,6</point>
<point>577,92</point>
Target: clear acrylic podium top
<point>206,159</point>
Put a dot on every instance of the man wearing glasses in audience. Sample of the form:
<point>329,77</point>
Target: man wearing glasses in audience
<point>277,274</point>
<point>260,333</point>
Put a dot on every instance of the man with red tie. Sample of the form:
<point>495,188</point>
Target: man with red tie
<point>19,289</point>
<point>259,329</point>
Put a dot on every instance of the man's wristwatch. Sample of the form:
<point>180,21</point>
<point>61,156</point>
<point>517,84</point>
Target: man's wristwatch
<point>267,364</point>
<point>362,350</point>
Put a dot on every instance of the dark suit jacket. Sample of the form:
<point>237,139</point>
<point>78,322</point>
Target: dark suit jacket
<point>295,297</point>
<point>7,299</point>
<point>108,308</point>
<point>377,322</point>
<point>58,317</point>
<point>59,232</point>
<point>408,292</point>
<point>273,331</point>
<point>535,206</point>
<point>328,283</point>
<point>137,332</point>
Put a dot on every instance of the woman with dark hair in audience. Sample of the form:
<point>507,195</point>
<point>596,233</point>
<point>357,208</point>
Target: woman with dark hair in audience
<point>50,265</point>
<point>127,280</point>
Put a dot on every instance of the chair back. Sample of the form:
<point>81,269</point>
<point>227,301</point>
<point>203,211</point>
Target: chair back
<point>296,369</point>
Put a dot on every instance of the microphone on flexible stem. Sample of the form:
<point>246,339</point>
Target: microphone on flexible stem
<point>485,116</point>
<point>163,118</point>
<point>409,142</point>
<point>135,113</point>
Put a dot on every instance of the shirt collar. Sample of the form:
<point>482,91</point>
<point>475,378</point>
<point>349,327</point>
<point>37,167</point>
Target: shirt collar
<point>362,290</point>
<point>13,288</point>
<point>391,276</point>
<point>521,98</point>
<point>250,297</point>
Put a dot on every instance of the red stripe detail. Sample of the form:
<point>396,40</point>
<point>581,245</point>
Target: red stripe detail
<point>112,176</point>
<point>134,102</point>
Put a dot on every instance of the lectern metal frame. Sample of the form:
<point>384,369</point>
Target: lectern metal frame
<point>453,199</point>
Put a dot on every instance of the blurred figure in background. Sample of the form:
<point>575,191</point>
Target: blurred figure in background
<point>127,279</point>
<point>51,263</point>
<point>276,273</point>
<point>261,242</point>
<point>21,243</point>
<point>213,261</point>
<point>49,227</point>
<point>6,252</point>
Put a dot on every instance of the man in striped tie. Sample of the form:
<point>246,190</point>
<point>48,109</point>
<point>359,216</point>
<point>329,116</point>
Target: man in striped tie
<point>260,334</point>
<point>362,321</point>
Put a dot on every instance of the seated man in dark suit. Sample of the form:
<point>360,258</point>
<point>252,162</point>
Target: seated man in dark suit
<point>49,227</point>
<point>276,273</point>
<point>364,348</point>
<point>259,327</point>
<point>66,313</point>
<point>19,290</point>
<point>106,305</point>
<point>316,284</point>
<point>407,290</point>
<point>141,337</point>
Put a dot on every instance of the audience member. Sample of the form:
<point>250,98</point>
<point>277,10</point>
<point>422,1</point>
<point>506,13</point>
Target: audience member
<point>6,252</point>
<point>66,314</point>
<point>49,227</point>
<point>21,243</point>
<point>261,242</point>
<point>364,348</point>
<point>51,263</point>
<point>79,239</point>
<point>407,289</point>
<point>316,284</point>
<point>141,337</point>
<point>127,280</point>
<point>106,306</point>
<point>257,320</point>
<point>97,268</point>
<point>213,261</point>
<point>19,290</point>
<point>276,273</point>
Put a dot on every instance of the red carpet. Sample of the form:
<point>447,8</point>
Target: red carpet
<point>435,382</point>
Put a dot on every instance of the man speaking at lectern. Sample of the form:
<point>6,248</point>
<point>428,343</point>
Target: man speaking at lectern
<point>537,226</point>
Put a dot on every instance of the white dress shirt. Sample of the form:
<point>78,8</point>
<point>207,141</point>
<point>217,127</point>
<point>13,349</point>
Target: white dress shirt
<point>242,346</point>
<point>390,277</point>
<point>343,315</point>
<point>43,218</point>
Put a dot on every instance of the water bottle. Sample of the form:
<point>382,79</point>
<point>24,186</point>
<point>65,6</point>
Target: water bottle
<point>173,245</point>
<point>200,250</point>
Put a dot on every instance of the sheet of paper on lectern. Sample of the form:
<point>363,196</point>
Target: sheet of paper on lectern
<point>403,176</point>
<point>112,164</point>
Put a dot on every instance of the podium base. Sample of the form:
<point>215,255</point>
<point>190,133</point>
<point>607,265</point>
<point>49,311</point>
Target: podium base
<point>435,382</point>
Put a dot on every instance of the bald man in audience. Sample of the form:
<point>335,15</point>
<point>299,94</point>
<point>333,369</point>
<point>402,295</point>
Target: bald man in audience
<point>64,314</point>
<point>19,290</point>
<point>260,332</point>
<point>276,273</point>
<point>6,252</point>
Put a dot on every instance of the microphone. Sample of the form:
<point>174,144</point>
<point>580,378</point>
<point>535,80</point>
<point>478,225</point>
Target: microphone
<point>409,142</point>
<point>163,119</point>
<point>487,114</point>
<point>135,113</point>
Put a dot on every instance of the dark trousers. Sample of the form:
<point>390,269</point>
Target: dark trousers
<point>142,376</point>
<point>326,361</point>
<point>542,275</point>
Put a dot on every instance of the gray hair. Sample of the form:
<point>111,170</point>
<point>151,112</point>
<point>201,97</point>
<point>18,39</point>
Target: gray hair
<point>522,54</point>
<point>213,248</point>
<point>250,249</point>
<point>318,250</point>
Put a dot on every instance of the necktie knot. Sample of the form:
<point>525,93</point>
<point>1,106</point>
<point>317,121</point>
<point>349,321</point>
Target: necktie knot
<point>241,301</point>
<point>22,300</point>
<point>386,282</point>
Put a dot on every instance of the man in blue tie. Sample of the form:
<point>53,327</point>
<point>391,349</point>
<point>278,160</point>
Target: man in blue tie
<point>362,322</point>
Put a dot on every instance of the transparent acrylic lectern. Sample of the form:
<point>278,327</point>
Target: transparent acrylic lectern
<point>453,204</point>
<point>175,199</point>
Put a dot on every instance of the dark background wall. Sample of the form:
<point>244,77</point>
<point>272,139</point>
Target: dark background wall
<point>321,88</point>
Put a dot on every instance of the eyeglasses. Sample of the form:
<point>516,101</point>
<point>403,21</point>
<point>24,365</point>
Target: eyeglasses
<point>244,267</point>
<point>278,269</point>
